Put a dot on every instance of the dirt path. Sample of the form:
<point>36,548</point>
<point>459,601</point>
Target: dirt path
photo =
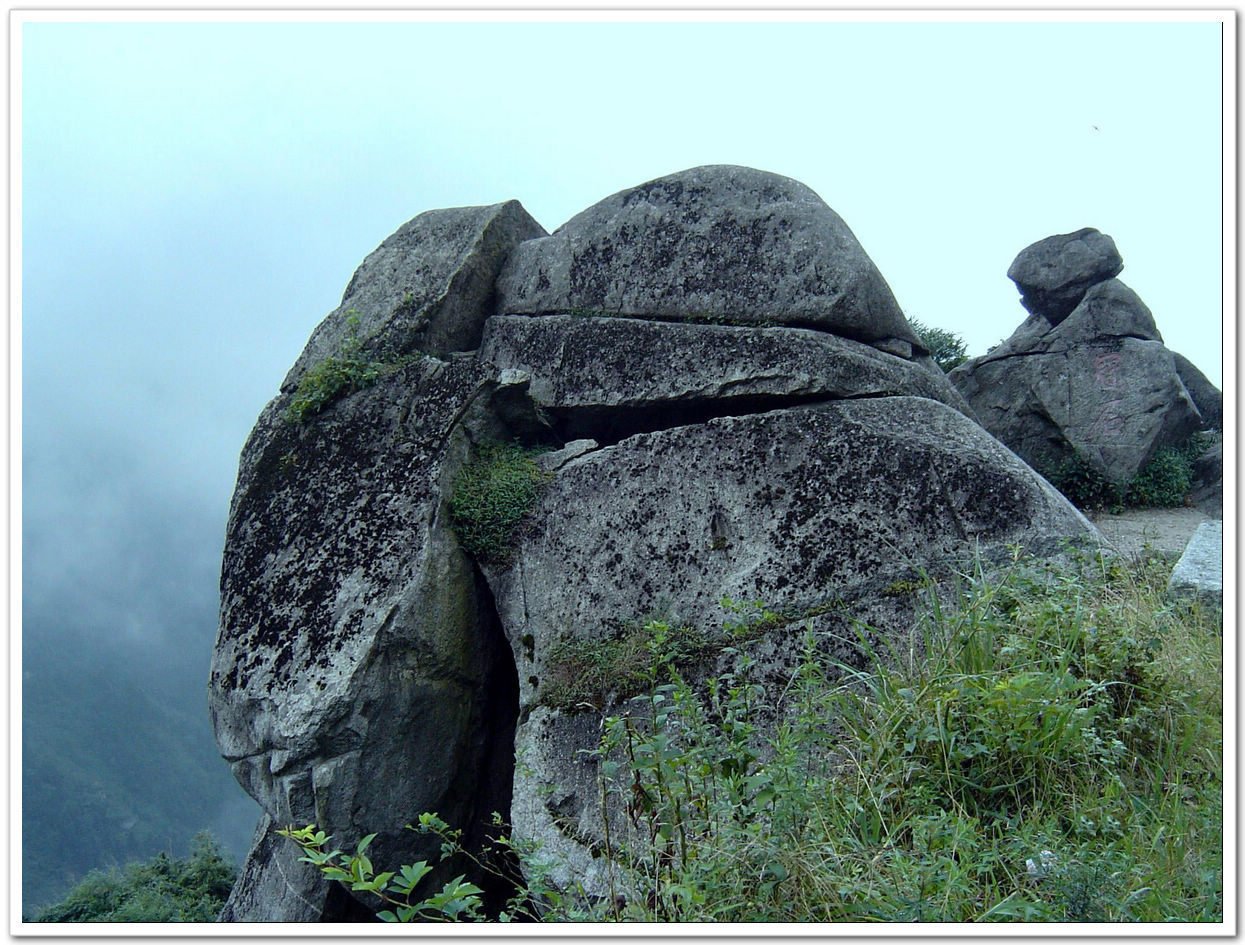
<point>1164,530</point>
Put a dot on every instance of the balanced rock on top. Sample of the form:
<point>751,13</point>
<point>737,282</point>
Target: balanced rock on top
<point>722,241</point>
<point>1094,384</point>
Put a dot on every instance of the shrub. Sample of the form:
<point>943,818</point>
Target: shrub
<point>1084,486</point>
<point>1164,482</point>
<point>163,889</point>
<point>491,496</point>
<point>946,348</point>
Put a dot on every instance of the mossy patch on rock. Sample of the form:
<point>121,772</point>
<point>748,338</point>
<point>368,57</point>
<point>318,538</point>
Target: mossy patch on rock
<point>492,495</point>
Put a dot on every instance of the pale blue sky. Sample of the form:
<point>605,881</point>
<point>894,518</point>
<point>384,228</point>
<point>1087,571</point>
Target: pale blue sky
<point>196,196</point>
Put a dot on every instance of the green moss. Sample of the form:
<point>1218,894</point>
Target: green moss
<point>901,588</point>
<point>492,495</point>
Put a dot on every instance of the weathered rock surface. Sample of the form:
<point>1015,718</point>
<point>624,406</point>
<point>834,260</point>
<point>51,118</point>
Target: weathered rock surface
<point>1207,492</point>
<point>805,508</point>
<point>368,669</point>
<point>1206,396</point>
<point>427,288</point>
<point>358,677</point>
<point>1199,572</point>
<point>1053,274</point>
<point>592,375</point>
<point>1096,386</point>
<point>722,241</point>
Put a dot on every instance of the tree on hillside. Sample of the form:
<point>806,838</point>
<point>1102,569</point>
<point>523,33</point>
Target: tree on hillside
<point>945,347</point>
<point>163,889</point>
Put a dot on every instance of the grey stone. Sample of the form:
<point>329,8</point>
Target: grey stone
<point>593,375</point>
<point>1207,492</point>
<point>798,507</point>
<point>1053,274</point>
<point>1199,572</point>
<point>426,289</point>
<point>556,459</point>
<point>720,241</point>
<point>1100,386</point>
<point>273,886</point>
<point>367,669</point>
<point>1206,396</point>
<point>358,677</point>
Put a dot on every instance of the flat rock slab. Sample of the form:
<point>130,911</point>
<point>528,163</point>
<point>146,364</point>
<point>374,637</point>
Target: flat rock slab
<point>1199,572</point>
<point>586,369</point>
<point>718,240</point>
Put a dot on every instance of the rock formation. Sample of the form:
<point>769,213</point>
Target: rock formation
<point>1086,378</point>
<point>729,401</point>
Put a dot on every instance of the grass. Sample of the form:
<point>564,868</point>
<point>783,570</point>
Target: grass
<point>1048,749</point>
<point>492,495</point>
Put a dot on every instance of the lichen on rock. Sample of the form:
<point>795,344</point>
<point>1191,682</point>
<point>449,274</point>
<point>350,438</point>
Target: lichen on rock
<point>411,574</point>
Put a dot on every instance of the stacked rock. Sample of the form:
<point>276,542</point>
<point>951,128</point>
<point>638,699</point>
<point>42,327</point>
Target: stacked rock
<point>1086,377</point>
<point>731,403</point>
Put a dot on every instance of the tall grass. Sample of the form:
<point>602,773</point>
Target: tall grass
<point>1049,748</point>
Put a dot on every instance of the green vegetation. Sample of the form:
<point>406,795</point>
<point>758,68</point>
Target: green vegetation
<point>584,673</point>
<point>118,763</point>
<point>1051,752</point>
<point>161,890</point>
<point>1163,483</point>
<point>492,494</point>
<point>946,348</point>
<point>338,376</point>
<point>587,673</point>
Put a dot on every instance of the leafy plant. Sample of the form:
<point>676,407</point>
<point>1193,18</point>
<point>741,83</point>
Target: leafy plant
<point>457,899</point>
<point>492,495</point>
<point>947,349</point>
<point>335,377</point>
<point>163,889</point>
<point>1164,482</point>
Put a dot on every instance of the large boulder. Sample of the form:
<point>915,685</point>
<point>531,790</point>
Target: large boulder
<point>1206,396</point>
<point>370,667</point>
<point>426,289</point>
<point>814,510</point>
<point>712,242</point>
<point>1053,274</point>
<point>1092,389</point>
<point>613,376</point>
<point>358,676</point>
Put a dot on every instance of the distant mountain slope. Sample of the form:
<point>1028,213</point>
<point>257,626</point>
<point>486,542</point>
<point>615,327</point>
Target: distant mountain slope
<point>118,764</point>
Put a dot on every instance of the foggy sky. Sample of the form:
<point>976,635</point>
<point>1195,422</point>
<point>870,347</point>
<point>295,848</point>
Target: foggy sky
<point>195,197</point>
